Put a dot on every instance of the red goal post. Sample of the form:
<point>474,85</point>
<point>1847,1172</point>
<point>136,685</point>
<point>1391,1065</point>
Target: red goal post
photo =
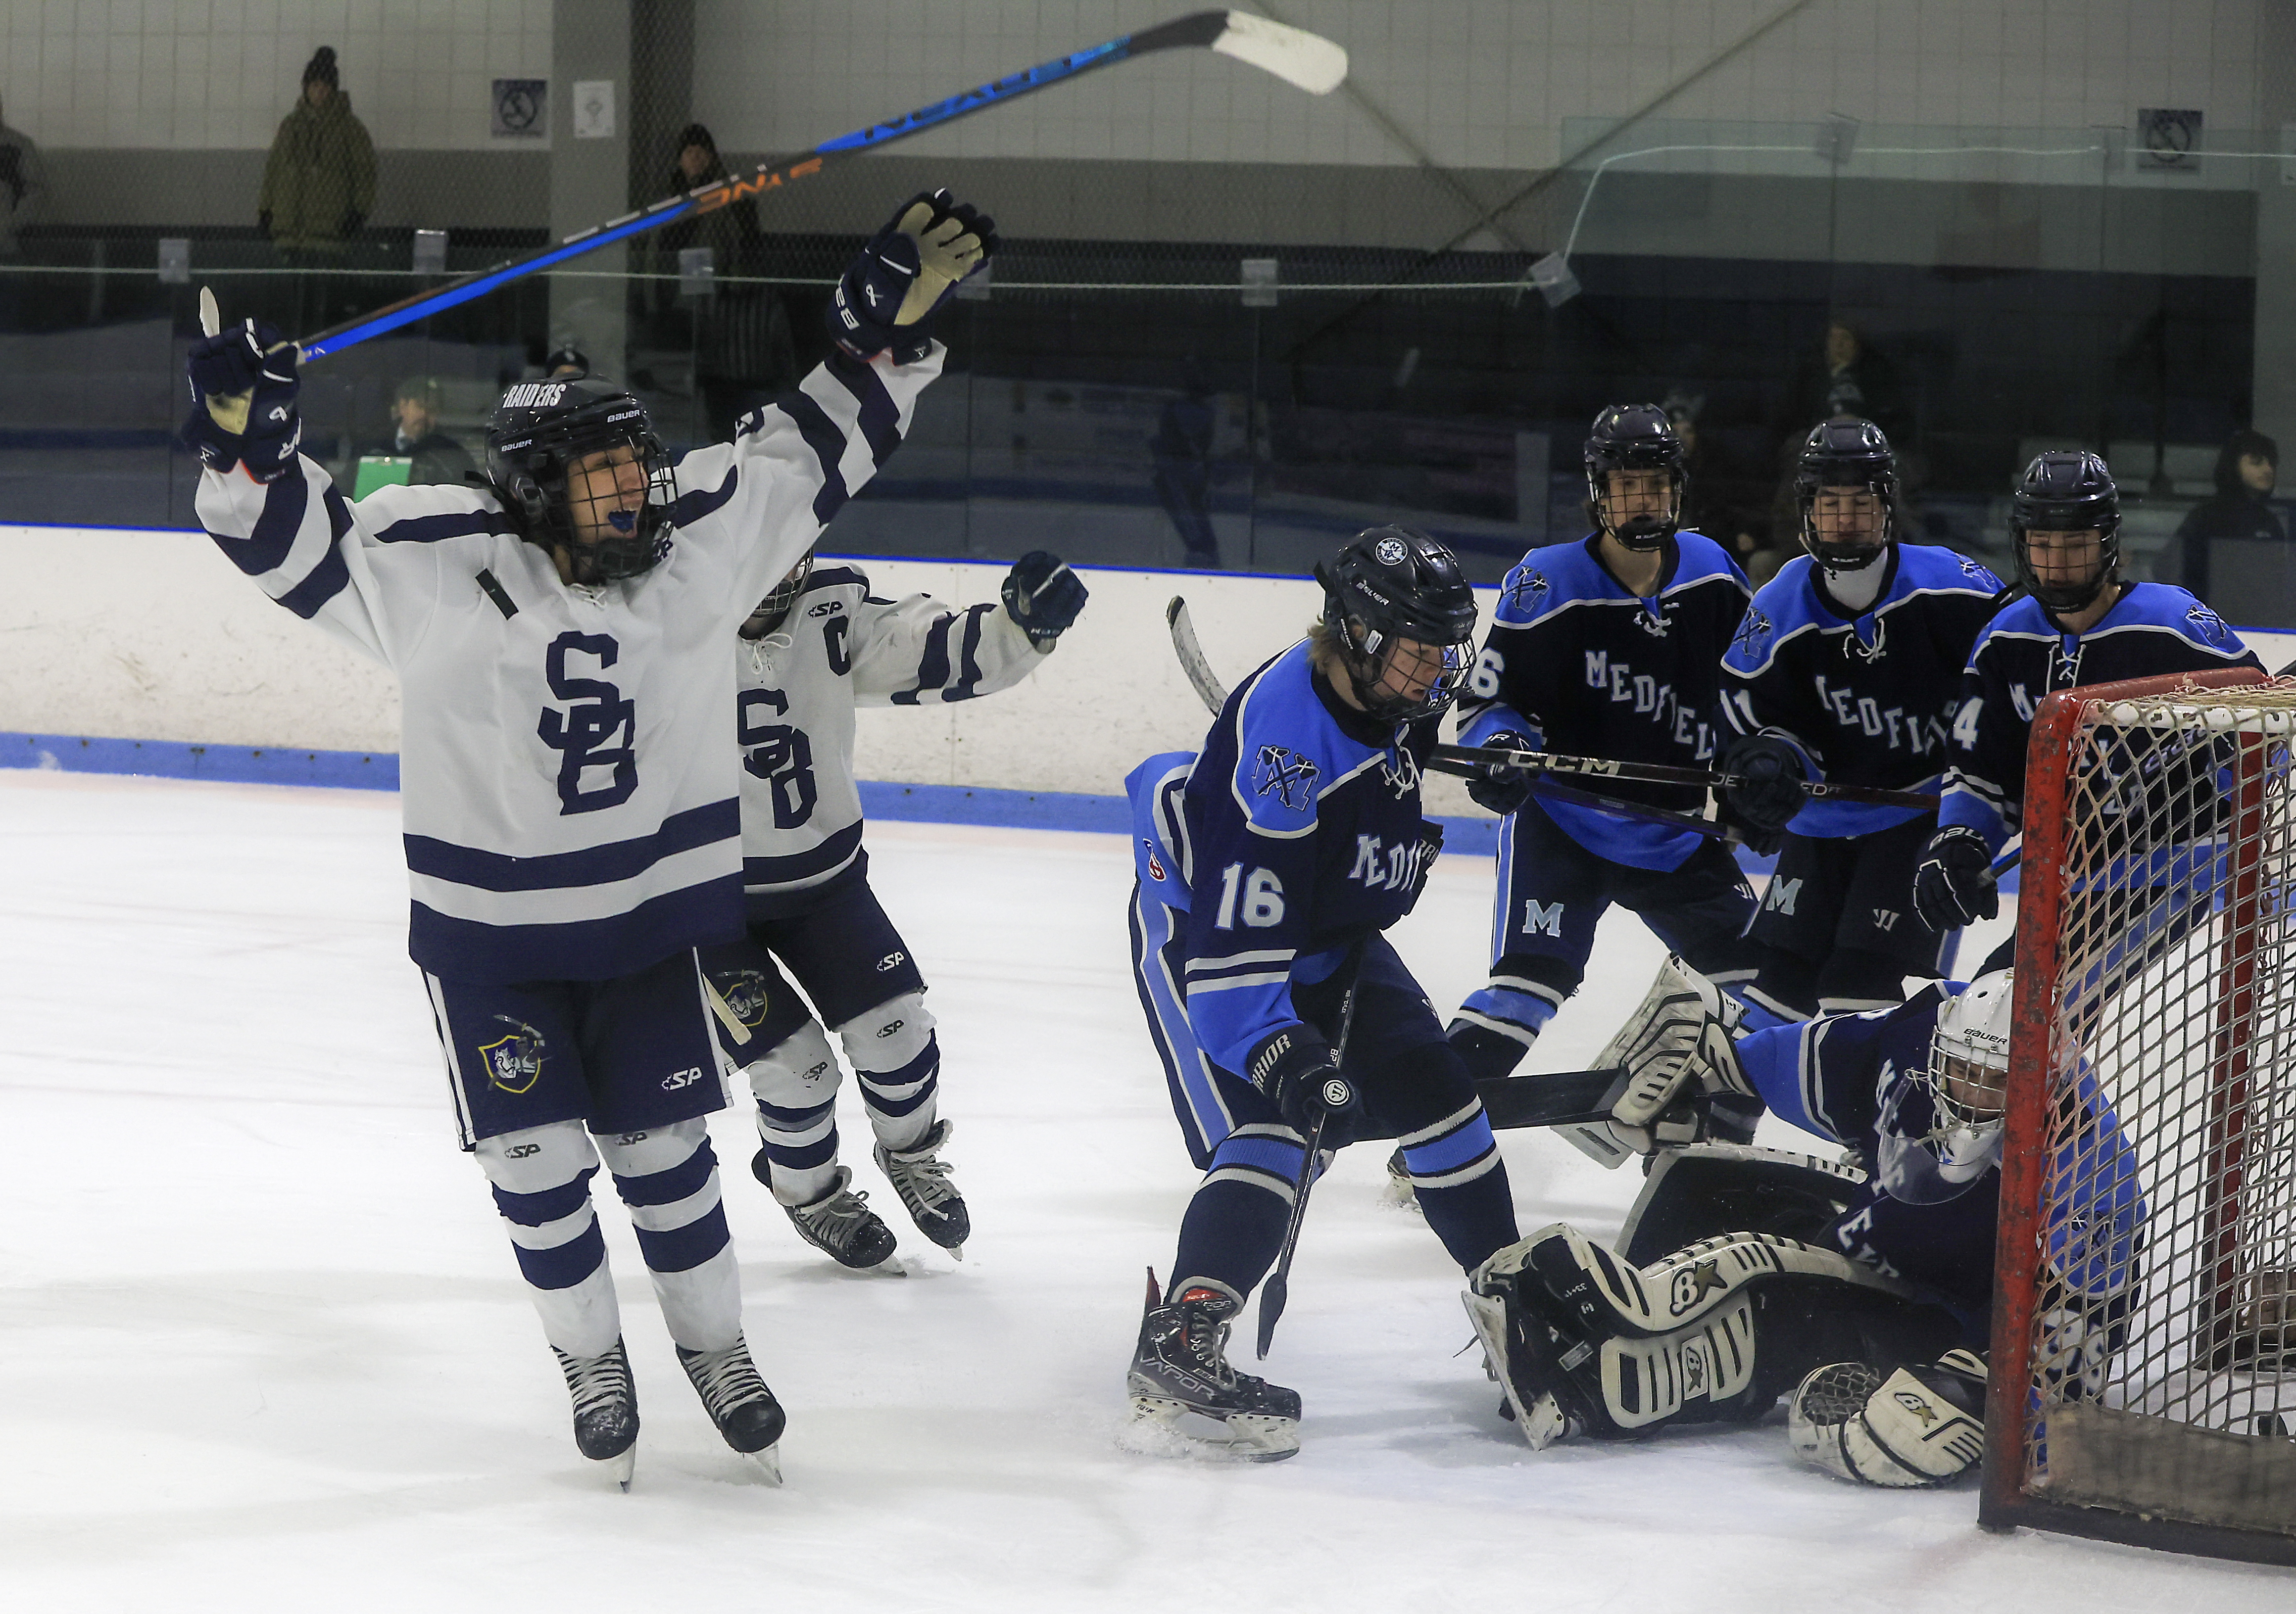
<point>2149,1396</point>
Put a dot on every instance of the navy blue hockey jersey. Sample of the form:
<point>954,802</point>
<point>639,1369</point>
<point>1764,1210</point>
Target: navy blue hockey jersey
<point>1295,831</point>
<point>2023,656</point>
<point>1584,667</point>
<point>1867,697</point>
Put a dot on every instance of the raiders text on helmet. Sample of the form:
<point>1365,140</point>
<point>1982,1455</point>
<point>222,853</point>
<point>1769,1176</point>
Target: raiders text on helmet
<point>1851,454</point>
<point>537,433</point>
<point>1635,437</point>
<point>1391,584</point>
<point>2066,491</point>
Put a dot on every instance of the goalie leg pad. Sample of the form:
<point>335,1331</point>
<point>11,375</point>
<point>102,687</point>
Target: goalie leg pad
<point>1710,1189</point>
<point>1918,1426</point>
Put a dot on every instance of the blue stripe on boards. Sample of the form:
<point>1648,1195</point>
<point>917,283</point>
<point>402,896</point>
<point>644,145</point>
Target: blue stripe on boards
<point>541,1208</point>
<point>264,548</point>
<point>671,1184</point>
<point>881,419</point>
<point>839,848</point>
<point>566,1265</point>
<point>175,759</point>
<point>581,949</point>
<point>454,523</point>
<point>680,1250</point>
<point>590,866</point>
<point>828,445</point>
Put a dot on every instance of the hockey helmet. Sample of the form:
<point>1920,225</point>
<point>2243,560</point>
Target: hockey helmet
<point>1846,453</point>
<point>1941,1130</point>
<point>2066,491</point>
<point>1389,587</point>
<point>772,609</point>
<point>536,439</point>
<point>1635,437</point>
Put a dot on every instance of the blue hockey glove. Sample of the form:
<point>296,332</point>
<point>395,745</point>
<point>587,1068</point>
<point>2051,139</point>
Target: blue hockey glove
<point>243,388</point>
<point>1295,1068</point>
<point>1495,787</point>
<point>1769,775</point>
<point>1044,595</point>
<point>1954,884</point>
<point>887,294</point>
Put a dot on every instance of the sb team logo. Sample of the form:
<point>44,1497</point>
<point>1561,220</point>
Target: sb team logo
<point>513,1062</point>
<point>745,994</point>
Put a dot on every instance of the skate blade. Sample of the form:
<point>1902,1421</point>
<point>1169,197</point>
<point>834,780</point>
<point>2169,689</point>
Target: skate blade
<point>1542,1422</point>
<point>622,1469</point>
<point>767,1463</point>
<point>1162,1427</point>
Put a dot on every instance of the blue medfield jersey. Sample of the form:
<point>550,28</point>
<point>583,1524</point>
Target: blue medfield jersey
<point>2023,656</point>
<point>1928,1213</point>
<point>1295,831</point>
<point>1867,697</point>
<point>1584,666</point>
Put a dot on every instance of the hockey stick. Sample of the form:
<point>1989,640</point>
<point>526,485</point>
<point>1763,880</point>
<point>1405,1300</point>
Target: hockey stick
<point>1277,1289</point>
<point>1659,773</point>
<point>1557,1098</point>
<point>1214,696</point>
<point>1309,62</point>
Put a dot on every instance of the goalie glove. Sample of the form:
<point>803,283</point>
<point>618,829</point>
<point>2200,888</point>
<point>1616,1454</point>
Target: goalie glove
<point>1676,1048</point>
<point>243,389</point>
<point>1918,1426</point>
<point>910,267</point>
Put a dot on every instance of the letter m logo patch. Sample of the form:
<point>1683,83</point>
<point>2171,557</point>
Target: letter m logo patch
<point>1782,896</point>
<point>1542,919</point>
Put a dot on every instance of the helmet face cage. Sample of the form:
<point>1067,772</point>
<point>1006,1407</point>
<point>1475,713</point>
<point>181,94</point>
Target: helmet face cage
<point>1635,437</point>
<point>1968,1052</point>
<point>1392,589</point>
<point>2066,492</point>
<point>778,600</point>
<point>1846,456</point>
<point>537,436</point>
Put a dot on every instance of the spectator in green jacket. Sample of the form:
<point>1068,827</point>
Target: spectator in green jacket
<point>319,185</point>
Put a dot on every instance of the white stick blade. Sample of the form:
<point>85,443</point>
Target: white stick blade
<point>1293,54</point>
<point>210,317</point>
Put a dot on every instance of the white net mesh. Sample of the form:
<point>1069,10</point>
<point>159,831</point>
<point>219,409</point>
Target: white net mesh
<point>2164,1262</point>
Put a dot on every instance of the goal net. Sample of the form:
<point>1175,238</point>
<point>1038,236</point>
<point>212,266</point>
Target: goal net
<point>2144,1366</point>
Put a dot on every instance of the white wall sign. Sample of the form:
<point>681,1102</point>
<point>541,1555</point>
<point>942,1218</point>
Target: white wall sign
<point>594,108</point>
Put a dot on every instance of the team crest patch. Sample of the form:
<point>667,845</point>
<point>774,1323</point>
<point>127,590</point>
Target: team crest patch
<point>514,1062</point>
<point>1390,552</point>
<point>1527,592</point>
<point>1753,633</point>
<point>2208,625</point>
<point>745,994</point>
<point>1399,770</point>
<point>1979,572</point>
<point>1287,776</point>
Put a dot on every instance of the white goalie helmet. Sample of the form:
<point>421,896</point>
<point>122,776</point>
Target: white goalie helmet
<point>1966,1085</point>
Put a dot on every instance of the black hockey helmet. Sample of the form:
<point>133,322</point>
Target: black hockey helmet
<point>1635,437</point>
<point>534,436</point>
<point>772,609</point>
<point>1846,452</point>
<point>2066,490</point>
<point>1391,584</point>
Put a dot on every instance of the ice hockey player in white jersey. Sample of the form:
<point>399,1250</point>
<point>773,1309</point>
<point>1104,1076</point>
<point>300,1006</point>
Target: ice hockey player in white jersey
<point>816,647</point>
<point>571,807</point>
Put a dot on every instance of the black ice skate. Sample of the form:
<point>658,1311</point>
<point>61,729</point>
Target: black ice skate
<point>739,1403</point>
<point>841,1226</point>
<point>605,1409</point>
<point>1181,1370</point>
<point>921,1179</point>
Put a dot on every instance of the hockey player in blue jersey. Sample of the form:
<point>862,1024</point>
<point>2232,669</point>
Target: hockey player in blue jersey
<point>1608,647</point>
<point>1848,667</point>
<point>1267,865</point>
<point>2077,623</point>
<point>562,638</point>
<point>816,648</point>
<point>1865,1289</point>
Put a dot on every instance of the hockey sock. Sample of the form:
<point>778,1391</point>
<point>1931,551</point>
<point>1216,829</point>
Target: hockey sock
<point>795,1086</point>
<point>1853,980</point>
<point>1460,1184</point>
<point>894,1052</point>
<point>1495,1026</point>
<point>1235,1222</point>
<point>541,1182</point>
<point>669,1179</point>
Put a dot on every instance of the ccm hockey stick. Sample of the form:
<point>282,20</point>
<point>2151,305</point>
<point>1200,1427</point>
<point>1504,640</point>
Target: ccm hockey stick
<point>1309,62</point>
<point>1659,773</point>
<point>1214,695</point>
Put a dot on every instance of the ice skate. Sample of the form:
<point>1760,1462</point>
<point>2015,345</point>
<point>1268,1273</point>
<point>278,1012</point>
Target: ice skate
<point>1401,1193</point>
<point>841,1226</point>
<point>1541,1419</point>
<point>605,1409</point>
<point>920,1178</point>
<point>1180,1376</point>
<point>739,1403</point>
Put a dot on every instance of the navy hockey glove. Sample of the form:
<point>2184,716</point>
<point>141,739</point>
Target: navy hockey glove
<point>1044,595</point>
<point>887,294</point>
<point>1495,787</point>
<point>1294,1067</point>
<point>1768,790</point>
<point>1431,847</point>
<point>1954,884</point>
<point>243,387</point>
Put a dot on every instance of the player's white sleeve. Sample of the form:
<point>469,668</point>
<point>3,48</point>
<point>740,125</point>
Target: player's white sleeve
<point>918,651</point>
<point>795,463</point>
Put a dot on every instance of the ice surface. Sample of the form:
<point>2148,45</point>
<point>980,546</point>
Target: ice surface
<point>264,1345</point>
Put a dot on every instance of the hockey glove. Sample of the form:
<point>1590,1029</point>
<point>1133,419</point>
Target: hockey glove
<point>1766,790</point>
<point>1495,787</point>
<point>243,385</point>
<point>1044,595</point>
<point>1430,848</point>
<point>1297,1071</point>
<point>887,293</point>
<point>1954,884</point>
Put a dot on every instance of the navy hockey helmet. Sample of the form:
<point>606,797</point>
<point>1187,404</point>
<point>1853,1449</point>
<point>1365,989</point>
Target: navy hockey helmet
<point>2066,491</point>
<point>1846,453</point>
<point>1635,437</point>
<point>614,524</point>
<point>1392,587</point>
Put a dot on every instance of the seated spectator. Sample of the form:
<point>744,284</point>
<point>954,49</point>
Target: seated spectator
<point>1845,377</point>
<point>438,457</point>
<point>1721,502</point>
<point>2247,467</point>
